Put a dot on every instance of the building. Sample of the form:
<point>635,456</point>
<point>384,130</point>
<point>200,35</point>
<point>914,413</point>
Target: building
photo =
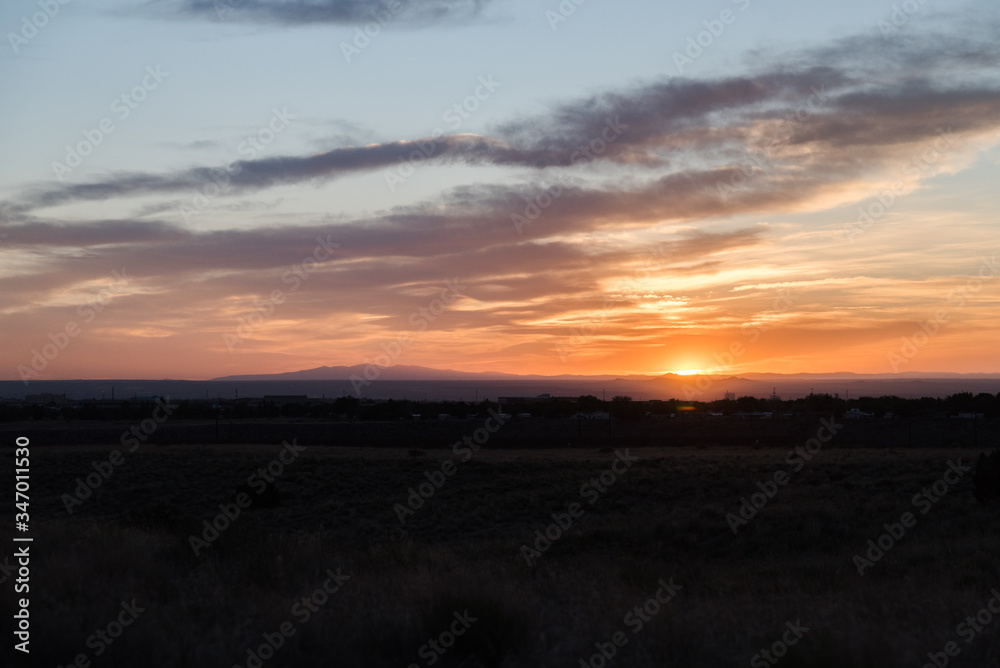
<point>46,398</point>
<point>282,399</point>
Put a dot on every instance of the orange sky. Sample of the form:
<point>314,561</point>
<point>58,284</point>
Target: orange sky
<point>815,211</point>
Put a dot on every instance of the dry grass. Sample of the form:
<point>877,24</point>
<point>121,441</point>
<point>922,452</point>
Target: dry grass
<point>664,518</point>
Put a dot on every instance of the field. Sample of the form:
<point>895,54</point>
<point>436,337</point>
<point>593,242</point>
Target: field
<point>659,522</point>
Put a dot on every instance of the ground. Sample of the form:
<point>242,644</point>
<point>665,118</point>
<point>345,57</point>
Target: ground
<point>797,578</point>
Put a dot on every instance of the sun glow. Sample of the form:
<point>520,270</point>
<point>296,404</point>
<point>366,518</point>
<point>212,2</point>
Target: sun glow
<point>688,372</point>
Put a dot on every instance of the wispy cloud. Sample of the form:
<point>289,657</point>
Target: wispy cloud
<point>805,131</point>
<point>696,134</point>
<point>295,12</point>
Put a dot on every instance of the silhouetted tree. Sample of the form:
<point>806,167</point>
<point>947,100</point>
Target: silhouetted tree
<point>987,477</point>
<point>624,408</point>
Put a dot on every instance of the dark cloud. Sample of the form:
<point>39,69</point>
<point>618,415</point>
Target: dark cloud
<point>813,128</point>
<point>295,12</point>
<point>855,117</point>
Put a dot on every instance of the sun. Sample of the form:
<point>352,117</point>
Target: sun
<point>687,372</point>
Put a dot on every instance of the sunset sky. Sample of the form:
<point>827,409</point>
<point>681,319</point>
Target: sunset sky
<point>210,187</point>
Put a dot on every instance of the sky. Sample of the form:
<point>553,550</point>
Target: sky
<point>201,188</point>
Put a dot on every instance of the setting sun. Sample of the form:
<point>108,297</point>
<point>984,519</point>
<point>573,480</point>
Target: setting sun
<point>688,372</point>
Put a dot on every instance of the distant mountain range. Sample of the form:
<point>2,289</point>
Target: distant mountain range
<point>405,372</point>
<point>424,382</point>
<point>416,373</point>
<point>415,382</point>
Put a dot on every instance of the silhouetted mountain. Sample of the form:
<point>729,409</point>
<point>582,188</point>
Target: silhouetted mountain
<point>406,372</point>
<point>403,372</point>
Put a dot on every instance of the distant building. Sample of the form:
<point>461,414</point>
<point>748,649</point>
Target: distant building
<point>599,415</point>
<point>857,414</point>
<point>46,398</point>
<point>756,415</point>
<point>283,399</point>
<point>729,396</point>
<point>538,399</point>
<point>509,403</point>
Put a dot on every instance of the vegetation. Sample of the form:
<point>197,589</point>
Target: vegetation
<point>664,517</point>
<point>352,408</point>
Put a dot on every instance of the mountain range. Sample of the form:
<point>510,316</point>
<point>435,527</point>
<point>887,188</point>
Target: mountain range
<point>416,373</point>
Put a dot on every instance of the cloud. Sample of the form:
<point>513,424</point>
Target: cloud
<point>649,208</point>
<point>832,119</point>
<point>305,12</point>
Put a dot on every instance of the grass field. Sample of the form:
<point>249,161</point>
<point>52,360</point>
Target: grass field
<point>460,556</point>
